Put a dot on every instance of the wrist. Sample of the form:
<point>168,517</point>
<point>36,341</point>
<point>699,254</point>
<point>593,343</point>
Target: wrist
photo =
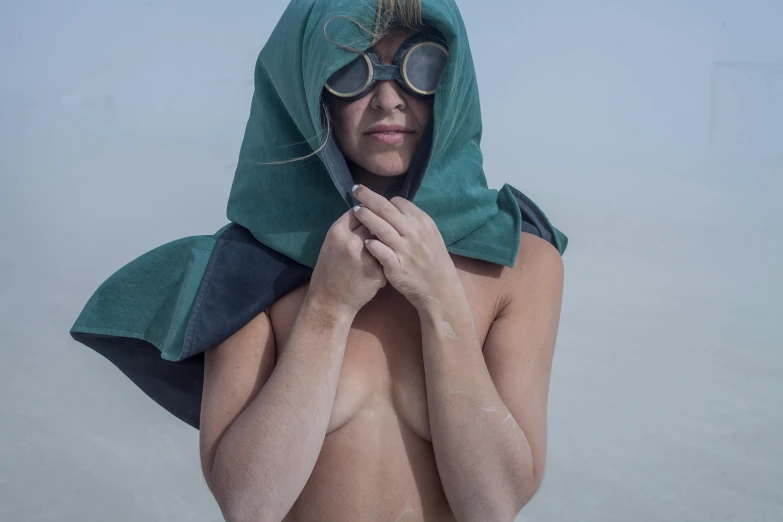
<point>443,304</point>
<point>327,310</point>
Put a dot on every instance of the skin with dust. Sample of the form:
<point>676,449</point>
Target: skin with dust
<point>448,330</point>
<point>407,509</point>
<point>509,420</point>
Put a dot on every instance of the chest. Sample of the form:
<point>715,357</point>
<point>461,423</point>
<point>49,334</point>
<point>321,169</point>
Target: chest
<point>383,365</point>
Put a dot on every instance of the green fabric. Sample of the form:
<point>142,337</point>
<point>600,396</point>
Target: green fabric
<point>151,297</point>
<point>289,207</point>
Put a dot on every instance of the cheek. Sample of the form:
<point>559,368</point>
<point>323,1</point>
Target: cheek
<point>422,109</point>
<point>347,117</point>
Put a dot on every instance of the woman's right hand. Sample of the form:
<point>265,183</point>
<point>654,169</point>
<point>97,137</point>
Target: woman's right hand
<point>346,275</point>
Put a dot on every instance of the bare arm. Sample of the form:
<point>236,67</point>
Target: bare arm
<point>263,425</point>
<point>488,407</point>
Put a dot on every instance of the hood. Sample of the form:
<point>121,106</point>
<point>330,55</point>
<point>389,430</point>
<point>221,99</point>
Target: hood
<point>289,206</point>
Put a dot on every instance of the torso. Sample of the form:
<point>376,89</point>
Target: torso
<point>377,461</point>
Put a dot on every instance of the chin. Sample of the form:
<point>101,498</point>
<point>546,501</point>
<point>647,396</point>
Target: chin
<point>386,167</point>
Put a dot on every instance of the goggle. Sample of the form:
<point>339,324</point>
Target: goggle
<point>417,67</point>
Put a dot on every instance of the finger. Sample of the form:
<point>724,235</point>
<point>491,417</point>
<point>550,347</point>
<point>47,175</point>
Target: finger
<point>385,255</point>
<point>383,208</point>
<point>382,230</point>
<point>353,222</point>
<point>406,207</point>
<point>347,222</point>
<point>363,232</point>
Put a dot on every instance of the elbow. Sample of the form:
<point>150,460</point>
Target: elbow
<point>513,506</point>
<point>238,505</point>
<point>526,490</point>
<point>503,507</point>
<point>532,485</point>
<point>526,496</point>
<point>247,513</point>
<point>234,511</point>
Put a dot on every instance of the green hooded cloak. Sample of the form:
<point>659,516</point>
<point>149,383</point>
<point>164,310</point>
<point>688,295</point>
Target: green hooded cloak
<point>155,316</point>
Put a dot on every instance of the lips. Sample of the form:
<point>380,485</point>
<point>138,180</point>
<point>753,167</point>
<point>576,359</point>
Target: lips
<point>388,133</point>
<point>379,127</point>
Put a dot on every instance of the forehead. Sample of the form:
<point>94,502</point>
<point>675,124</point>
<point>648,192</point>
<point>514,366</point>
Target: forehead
<point>387,46</point>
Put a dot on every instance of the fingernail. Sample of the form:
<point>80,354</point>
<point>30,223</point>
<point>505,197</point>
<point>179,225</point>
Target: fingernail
<point>353,189</point>
<point>356,208</point>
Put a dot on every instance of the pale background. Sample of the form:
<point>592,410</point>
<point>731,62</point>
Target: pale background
<point>650,132</point>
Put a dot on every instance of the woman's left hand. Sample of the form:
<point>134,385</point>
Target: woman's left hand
<point>409,246</point>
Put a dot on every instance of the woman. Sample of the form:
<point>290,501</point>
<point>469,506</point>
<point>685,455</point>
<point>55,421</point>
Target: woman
<point>405,376</point>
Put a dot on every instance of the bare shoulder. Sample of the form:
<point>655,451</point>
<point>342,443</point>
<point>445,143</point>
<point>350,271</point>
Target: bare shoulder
<point>535,251</point>
<point>537,272</point>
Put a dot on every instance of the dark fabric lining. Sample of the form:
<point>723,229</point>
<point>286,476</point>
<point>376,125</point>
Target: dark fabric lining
<point>242,279</point>
<point>177,386</point>
<point>338,170</point>
<point>532,221</point>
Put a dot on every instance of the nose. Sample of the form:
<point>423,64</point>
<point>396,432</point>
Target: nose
<point>387,96</point>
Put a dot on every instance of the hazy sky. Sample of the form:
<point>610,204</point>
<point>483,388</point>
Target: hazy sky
<point>650,132</point>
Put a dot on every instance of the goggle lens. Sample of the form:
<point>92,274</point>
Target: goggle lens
<point>421,68</point>
<point>351,79</point>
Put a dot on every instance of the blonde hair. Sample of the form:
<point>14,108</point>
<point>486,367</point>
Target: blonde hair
<point>396,13</point>
<point>388,15</point>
